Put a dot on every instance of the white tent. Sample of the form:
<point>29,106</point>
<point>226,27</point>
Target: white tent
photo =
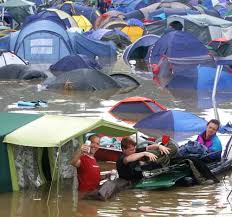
<point>7,58</point>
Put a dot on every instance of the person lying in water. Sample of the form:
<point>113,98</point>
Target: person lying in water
<point>210,140</point>
<point>130,159</point>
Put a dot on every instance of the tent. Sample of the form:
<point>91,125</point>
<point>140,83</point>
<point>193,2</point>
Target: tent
<point>55,15</point>
<point>204,27</point>
<point>133,32</point>
<point>9,123</point>
<point>180,45</point>
<point>137,104</point>
<point>110,17</point>
<point>82,80</point>
<point>41,134</point>
<point>19,10</point>
<point>72,8</point>
<point>7,58</point>
<point>120,38</point>
<point>71,62</point>
<point>41,41</point>
<point>177,124</point>
<point>45,41</point>
<point>82,22</point>
<point>138,50</point>
<point>199,77</point>
<point>126,6</point>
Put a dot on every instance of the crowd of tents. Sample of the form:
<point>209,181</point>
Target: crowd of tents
<point>167,35</point>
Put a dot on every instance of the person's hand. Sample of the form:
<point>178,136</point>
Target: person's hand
<point>151,156</point>
<point>164,150</point>
<point>85,148</point>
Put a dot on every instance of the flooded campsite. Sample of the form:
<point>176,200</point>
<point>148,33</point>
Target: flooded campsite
<point>115,108</point>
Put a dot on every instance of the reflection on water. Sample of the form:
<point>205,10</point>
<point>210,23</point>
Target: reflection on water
<point>191,201</point>
<point>179,201</point>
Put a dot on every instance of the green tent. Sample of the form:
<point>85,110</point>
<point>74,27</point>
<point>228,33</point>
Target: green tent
<point>8,123</point>
<point>52,133</point>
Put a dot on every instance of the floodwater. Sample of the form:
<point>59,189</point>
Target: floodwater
<point>206,200</point>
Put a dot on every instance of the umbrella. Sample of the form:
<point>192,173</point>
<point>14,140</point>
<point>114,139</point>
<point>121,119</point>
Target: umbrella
<point>178,124</point>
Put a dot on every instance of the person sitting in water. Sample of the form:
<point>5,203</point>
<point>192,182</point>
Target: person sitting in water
<point>130,159</point>
<point>87,168</point>
<point>210,140</point>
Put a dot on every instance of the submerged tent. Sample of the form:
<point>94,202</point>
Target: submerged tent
<point>180,45</point>
<point>177,124</point>
<point>138,50</point>
<point>7,58</point>
<point>10,122</point>
<point>137,104</point>
<point>199,77</point>
<point>72,62</point>
<point>132,109</point>
<point>39,138</point>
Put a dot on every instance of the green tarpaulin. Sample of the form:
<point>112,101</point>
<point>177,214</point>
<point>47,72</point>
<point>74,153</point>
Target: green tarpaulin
<point>8,123</point>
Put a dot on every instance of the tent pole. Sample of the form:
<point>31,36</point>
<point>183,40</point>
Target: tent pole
<point>3,11</point>
<point>53,175</point>
<point>75,181</point>
<point>216,79</point>
<point>58,181</point>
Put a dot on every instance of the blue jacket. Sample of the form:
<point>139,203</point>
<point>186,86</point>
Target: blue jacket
<point>213,144</point>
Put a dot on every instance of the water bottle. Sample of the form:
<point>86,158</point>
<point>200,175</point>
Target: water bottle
<point>88,142</point>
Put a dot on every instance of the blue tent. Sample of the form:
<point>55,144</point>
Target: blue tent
<point>199,77</point>
<point>91,13</point>
<point>198,99</point>
<point>176,44</point>
<point>163,13</point>
<point>126,6</point>
<point>120,38</point>
<point>49,15</point>
<point>139,49</point>
<point>72,62</point>
<point>98,34</point>
<point>177,124</point>
<point>45,41</point>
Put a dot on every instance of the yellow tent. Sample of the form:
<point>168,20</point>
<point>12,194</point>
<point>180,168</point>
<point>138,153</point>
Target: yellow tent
<point>82,22</point>
<point>133,32</point>
<point>64,16</point>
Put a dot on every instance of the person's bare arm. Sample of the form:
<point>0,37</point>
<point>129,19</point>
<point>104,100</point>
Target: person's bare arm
<point>137,156</point>
<point>162,148</point>
<point>75,161</point>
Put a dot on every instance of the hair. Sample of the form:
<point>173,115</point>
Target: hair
<point>214,121</point>
<point>93,136</point>
<point>126,142</point>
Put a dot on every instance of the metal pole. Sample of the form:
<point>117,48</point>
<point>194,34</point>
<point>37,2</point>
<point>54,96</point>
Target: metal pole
<point>216,79</point>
